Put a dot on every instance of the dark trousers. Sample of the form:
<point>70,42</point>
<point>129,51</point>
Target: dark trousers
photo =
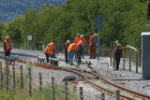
<point>47,57</point>
<point>79,57</point>
<point>66,56</point>
<point>118,56</point>
<point>7,54</point>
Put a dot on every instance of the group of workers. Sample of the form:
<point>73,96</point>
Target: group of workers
<point>75,49</point>
<point>72,49</point>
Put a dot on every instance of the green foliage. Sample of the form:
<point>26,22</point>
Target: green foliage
<point>123,20</point>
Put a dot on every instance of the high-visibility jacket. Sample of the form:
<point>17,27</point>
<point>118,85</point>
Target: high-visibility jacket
<point>119,46</point>
<point>49,50</point>
<point>91,40</point>
<point>77,39</point>
<point>72,46</point>
<point>83,40</point>
<point>8,45</point>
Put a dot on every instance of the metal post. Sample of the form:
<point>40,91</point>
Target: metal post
<point>102,96</point>
<point>21,78</point>
<point>14,76</point>
<point>66,90</point>
<point>81,93</point>
<point>53,90</point>
<point>40,81</point>
<point>1,75</point>
<point>117,95</point>
<point>30,87</point>
<point>7,77</point>
<point>98,41</point>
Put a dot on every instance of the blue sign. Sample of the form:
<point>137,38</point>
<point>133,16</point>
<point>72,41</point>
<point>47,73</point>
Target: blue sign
<point>98,20</point>
<point>147,25</point>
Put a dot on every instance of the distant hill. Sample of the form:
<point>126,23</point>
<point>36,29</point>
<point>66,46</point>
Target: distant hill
<point>9,9</point>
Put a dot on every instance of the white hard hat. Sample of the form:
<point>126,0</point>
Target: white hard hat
<point>7,37</point>
<point>95,34</point>
<point>81,36</point>
<point>117,41</point>
<point>68,41</point>
<point>80,42</point>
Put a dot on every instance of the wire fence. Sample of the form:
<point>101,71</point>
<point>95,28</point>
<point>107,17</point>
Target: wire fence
<point>34,83</point>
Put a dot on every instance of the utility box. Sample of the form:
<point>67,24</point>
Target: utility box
<point>145,51</point>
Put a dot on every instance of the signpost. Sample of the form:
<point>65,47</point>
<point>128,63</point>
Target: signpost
<point>98,21</point>
<point>30,37</point>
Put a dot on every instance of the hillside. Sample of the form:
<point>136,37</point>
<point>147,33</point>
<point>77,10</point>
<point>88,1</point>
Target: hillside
<point>11,8</point>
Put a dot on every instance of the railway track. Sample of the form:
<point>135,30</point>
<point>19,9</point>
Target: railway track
<point>79,72</point>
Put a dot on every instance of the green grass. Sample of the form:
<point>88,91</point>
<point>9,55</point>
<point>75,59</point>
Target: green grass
<point>11,95</point>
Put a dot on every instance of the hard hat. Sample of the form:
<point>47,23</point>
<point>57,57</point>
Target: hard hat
<point>7,37</point>
<point>117,41</point>
<point>95,34</point>
<point>68,41</point>
<point>80,42</point>
<point>81,36</point>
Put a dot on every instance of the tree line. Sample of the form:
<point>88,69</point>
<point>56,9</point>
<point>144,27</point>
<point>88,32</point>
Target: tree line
<point>123,20</point>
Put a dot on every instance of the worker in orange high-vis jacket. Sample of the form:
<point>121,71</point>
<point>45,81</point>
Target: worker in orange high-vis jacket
<point>118,53</point>
<point>7,47</point>
<point>77,39</point>
<point>71,49</point>
<point>50,50</point>
<point>66,45</point>
<point>91,46</point>
<point>83,43</point>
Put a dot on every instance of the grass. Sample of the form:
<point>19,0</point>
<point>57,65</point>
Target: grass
<point>45,94</point>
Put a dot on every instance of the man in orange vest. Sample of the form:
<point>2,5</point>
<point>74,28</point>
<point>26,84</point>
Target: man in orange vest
<point>66,45</point>
<point>50,50</point>
<point>71,49</point>
<point>91,46</point>
<point>7,47</point>
<point>79,51</point>
<point>83,43</point>
<point>77,39</point>
<point>118,53</point>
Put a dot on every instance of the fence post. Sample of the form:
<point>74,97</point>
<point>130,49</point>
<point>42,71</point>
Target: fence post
<point>110,53</point>
<point>30,87</point>
<point>123,59</point>
<point>7,73</point>
<point>102,96</point>
<point>21,78</point>
<point>129,60</point>
<point>14,76</point>
<point>103,50</point>
<point>136,62</point>
<point>53,90</point>
<point>40,81</point>
<point>117,95</point>
<point>66,90</point>
<point>114,54</point>
<point>1,75</point>
<point>81,93</point>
